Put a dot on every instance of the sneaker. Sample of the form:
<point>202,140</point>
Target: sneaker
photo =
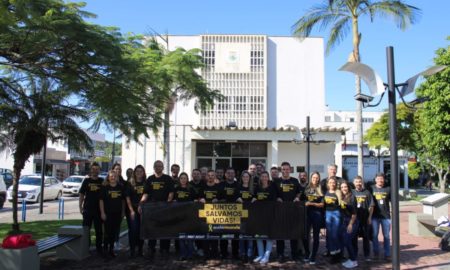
<point>306,260</point>
<point>200,253</point>
<point>368,259</point>
<point>387,258</point>
<point>258,259</point>
<point>350,264</point>
<point>264,260</point>
<point>311,262</point>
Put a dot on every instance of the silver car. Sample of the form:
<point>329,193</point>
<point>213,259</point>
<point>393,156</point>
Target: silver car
<point>30,189</point>
<point>71,185</point>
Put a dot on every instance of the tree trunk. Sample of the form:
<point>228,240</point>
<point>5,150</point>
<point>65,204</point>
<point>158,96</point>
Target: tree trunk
<point>19,164</point>
<point>442,179</point>
<point>359,129</point>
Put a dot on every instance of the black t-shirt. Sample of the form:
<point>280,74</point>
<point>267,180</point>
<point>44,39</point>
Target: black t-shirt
<point>311,195</point>
<point>197,187</point>
<point>135,192</point>
<point>230,191</point>
<point>184,194</point>
<point>266,194</point>
<point>364,201</point>
<point>90,188</point>
<point>348,206</point>
<point>245,194</point>
<point>209,193</point>
<point>331,202</point>
<point>158,188</point>
<point>288,189</point>
<point>112,198</point>
<point>381,198</point>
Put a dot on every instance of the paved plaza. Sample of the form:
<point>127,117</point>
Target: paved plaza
<point>416,253</point>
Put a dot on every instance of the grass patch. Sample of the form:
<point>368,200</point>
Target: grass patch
<point>43,229</point>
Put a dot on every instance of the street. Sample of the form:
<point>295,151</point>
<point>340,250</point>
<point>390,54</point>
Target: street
<point>50,210</point>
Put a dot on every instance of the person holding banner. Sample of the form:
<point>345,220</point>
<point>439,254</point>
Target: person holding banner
<point>112,207</point>
<point>288,190</point>
<point>158,188</point>
<point>211,193</point>
<point>333,217</point>
<point>184,193</point>
<point>264,192</point>
<point>245,195</point>
<point>133,192</point>
<point>349,223</point>
<point>230,194</point>
<point>314,211</point>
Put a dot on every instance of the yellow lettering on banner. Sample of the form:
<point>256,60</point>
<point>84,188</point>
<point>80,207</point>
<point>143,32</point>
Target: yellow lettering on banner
<point>223,213</point>
<point>287,187</point>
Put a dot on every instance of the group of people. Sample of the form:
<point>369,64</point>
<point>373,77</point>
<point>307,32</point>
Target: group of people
<point>346,210</point>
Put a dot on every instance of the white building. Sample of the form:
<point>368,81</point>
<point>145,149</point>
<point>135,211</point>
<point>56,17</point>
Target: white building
<point>268,82</point>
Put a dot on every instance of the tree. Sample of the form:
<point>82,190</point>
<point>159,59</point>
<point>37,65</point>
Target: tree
<point>434,115</point>
<point>56,70</point>
<point>343,15</point>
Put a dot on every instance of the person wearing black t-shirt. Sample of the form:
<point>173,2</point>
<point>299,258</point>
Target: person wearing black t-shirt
<point>332,201</point>
<point>381,216</point>
<point>211,193</point>
<point>158,188</point>
<point>349,225</point>
<point>314,211</point>
<point>364,210</point>
<point>134,192</point>
<point>89,196</point>
<point>245,195</point>
<point>196,182</point>
<point>288,190</point>
<point>117,168</point>
<point>230,194</point>
<point>264,192</point>
<point>274,174</point>
<point>184,193</point>
<point>112,206</point>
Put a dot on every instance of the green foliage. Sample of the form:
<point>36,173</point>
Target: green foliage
<point>378,134</point>
<point>56,70</point>
<point>414,170</point>
<point>435,113</point>
<point>342,16</point>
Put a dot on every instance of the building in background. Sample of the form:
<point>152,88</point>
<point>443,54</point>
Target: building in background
<point>268,83</point>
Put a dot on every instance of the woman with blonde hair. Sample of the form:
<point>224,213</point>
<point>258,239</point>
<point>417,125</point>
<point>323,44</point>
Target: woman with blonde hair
<point>314,211</point>
<point>332,201</point>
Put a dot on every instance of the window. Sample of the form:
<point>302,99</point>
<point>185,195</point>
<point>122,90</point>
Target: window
<point>328,118</point>
<point>367,120</point>
<point>352,119</point>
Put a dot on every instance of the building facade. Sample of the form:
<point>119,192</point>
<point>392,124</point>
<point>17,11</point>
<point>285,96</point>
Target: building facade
<point>268,83</point>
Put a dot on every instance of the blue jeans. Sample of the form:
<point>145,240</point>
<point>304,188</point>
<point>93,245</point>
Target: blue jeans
<point>246,248</point>
<point>385,228</point>
<point>186,248</point>
<point>314,222</point>
<point>348,237</point>
<point>333,221</point>
<point>260,245</point>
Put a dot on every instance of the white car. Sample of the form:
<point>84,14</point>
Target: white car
<point>30,189</point>
<point>72,184</point>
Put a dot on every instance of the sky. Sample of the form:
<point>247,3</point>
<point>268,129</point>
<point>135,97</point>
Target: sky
<point>414,48</point>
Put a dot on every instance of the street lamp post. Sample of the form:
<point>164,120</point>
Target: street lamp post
<point>308,149</point>
<point>377,87</point>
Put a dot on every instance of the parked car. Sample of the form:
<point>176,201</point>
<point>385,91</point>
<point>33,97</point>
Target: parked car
<point>30,189</point>
<point>2,192</point>
<point>71,185</point>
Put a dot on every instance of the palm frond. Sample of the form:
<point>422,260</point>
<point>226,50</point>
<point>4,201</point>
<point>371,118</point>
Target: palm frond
<point>404,15</point>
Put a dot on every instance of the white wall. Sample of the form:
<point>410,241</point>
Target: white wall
<point>7,162</point>
<point>296,75</point>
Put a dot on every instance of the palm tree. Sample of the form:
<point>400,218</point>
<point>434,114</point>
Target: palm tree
<point>32,111</point>
<point>343,15</point>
